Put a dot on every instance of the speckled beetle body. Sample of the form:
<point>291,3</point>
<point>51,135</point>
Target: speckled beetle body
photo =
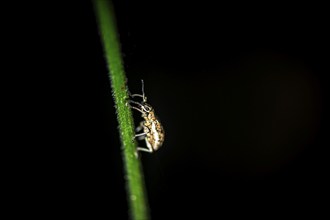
<point>153,131</point>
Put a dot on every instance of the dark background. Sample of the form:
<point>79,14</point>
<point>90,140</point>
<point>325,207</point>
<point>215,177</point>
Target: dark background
<point>239,89</point>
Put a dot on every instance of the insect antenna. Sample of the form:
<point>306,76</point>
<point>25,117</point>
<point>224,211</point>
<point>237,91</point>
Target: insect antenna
<point>138,95</point>
<point>143,95</point>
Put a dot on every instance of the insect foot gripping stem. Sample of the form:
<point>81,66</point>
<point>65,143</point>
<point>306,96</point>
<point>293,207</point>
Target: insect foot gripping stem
<point>153,131</point>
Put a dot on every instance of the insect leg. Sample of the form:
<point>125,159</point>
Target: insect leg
<point>138,95</point>
<point>134,95</point>
<point>138,135</point>
<point>137,103</point>
<point>136,108</point>
<point>140,127</point>
<point>144,149</point>
<point>149,148</point>
<point>141,149</point>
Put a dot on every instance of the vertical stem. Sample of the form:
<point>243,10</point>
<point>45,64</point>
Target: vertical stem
<point>133,172</point>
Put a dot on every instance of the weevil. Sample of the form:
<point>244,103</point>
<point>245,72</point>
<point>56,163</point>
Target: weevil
<point>153,132</point>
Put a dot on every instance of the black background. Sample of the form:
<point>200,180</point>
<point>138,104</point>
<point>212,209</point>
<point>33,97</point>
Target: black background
<point>239,89</point>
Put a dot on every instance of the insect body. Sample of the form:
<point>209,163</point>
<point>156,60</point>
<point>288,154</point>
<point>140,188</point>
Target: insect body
<point>153,132</point>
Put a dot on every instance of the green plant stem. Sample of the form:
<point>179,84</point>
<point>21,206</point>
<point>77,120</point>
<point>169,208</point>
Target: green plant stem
<point>134,176</point>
